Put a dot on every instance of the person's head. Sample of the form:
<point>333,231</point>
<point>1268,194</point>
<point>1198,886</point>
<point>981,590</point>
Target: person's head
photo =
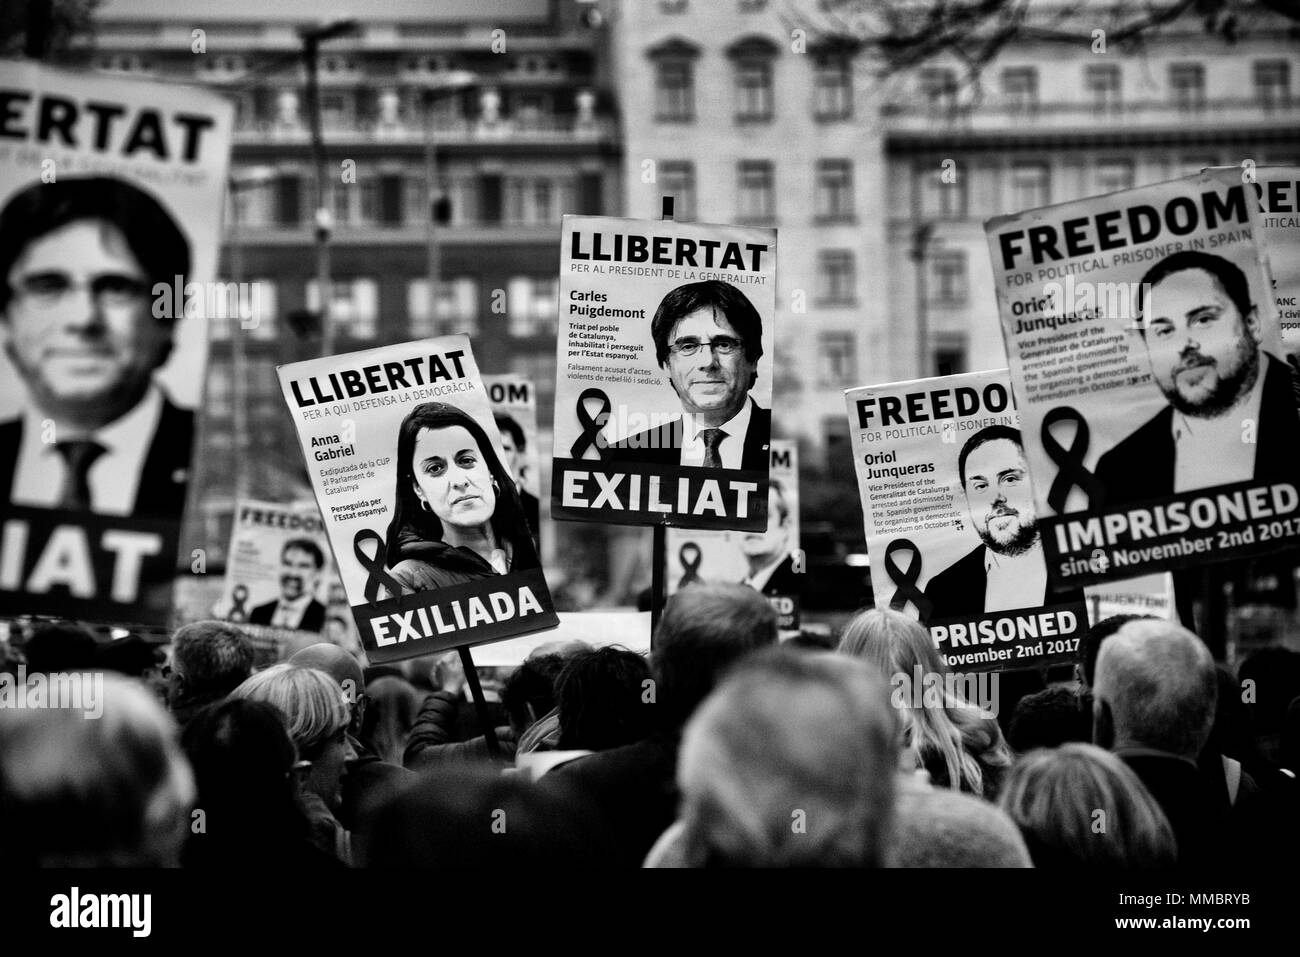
<point>111,792</point>
<point>209,660</point>
<point>703,631</point>
<point>55,646</point>
<point>1202,332</point>
<point>317,718</point>
<point>790,762</point>
<point>449,482</point>
<point>301,564</point>
<point>346,672</point>
<point>79,259</point>
<point>393,704</point>
<point>1155,688</point>
<point>513,443</point>
<point>1046,719</point>
<point>602,697</point>
<point>1096,635</point>
<point>709,338</point>
<point>243,760</point>
<point>995,478</point>
<point>956,735</point>
<point>529,691</point>
<point>940,828</point>
<point>763,547</point>
<point>1059,797</point>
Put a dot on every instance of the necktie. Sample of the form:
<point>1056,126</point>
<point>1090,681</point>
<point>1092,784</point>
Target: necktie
<point>78,457</point>
<point>712,439</point>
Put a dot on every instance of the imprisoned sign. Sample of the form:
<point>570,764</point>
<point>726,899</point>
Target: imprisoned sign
<point>423,515</point>
<point>109,228</point>
<point>769,561</point>
<point>663,399</point>
<point>952,528</point>
<point>1160,421</point>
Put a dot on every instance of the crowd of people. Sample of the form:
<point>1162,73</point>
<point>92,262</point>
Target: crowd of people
<point>724,748</point>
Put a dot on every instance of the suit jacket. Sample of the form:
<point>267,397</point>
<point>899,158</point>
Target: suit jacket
<point>313,616</point>
<point>1200,816</point>
<point>530,506</point>
<point>164,475</point>
<point>1142,465</point>
<point>958,590</point>
<point>784,580</point>
<point>663,445</point>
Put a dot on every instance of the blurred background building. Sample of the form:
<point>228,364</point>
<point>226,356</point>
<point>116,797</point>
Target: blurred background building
<point>878,171</point>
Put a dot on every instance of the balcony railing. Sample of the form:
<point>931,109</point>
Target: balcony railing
<point>994,116</point>
<point>445,130</point>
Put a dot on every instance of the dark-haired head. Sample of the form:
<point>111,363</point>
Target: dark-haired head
<point>410,516</point>
<point>989,434</point>
<point>709,294</point>
<point>1227,273</point>
<point>600,694</point>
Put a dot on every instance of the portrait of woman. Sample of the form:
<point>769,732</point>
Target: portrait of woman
<point>457,516</point>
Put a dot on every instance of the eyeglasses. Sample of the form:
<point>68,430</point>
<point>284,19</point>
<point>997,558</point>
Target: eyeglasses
<point>722,345</point>
<point>47,289</point>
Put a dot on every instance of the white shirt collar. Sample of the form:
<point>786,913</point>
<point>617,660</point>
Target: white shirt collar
<point>758,580</point>
<point>732,451</point>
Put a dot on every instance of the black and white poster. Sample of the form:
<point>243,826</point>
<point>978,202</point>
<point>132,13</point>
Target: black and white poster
<point>1278,189</point>
<point>514,406</point>
<point>663,396</point>
<point>110,201</point>
<point>1159,414</point>
<point>423,515</point>
<point>952,527</point>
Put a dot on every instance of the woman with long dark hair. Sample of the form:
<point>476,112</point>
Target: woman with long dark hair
<point>457,516</point>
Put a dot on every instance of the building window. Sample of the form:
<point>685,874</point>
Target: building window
<point>1103,85</point>
<point>837,358</point>
<point>531,301</point>
<point>354,306</point>
<point>677,179</point>
<point>757,191</point>
<point>834,190</point>
<point>753,6</point>
<point>948,277</point>
<point>1030,186</point>
<point>1187,84</point>
<point>939,199</point>
<point>217,401</point>
<point>939,90</point>
<point>1273,84</point>
<point>532,201</point>
<point>832,88</point>
<point>456,308</point>
<point>670,7</point>
<point>835,280</point>
<point>949,354</point>
<point>288,200</point>
<point>1020,87</point>
<point>753,90</point>
<point>674,91</point>
<point>1114,175</point>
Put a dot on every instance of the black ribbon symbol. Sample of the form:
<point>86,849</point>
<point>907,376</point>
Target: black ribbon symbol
<point>378,574</point>
<point>590,426</point>
<point>906,580</point>
<point>1070,472</point>
<point>239,595</point>
<point>691,566</point>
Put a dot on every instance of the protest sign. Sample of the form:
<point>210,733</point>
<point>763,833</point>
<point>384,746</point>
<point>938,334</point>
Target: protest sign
<point>664,373</point>
<point>278,568</point>
<point>1160,421</point>
<point>514,406</point>
<point>424,518</point>
<point>1278,189</point>
<point>769,561</point>
<point>109,228</point>
<point>1148,595</point>
<point>952,530</point>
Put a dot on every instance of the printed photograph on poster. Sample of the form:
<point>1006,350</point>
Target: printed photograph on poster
<point>423,515</point>
<point>1160,418</point>
<point>770,561</point>
<point>109,229</point>
<point>663,400</point>
<point>514,407</point>
<point>952,529</point>
<point>278,568</point>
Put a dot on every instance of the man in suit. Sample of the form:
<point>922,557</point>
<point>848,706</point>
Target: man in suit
<point>1232,409</point>
<point>78,261</point>
<point>771,561</point>
<point>301,564</point>
<point>708,337</point>
<point>515,445</point>
<point>1007,569</point>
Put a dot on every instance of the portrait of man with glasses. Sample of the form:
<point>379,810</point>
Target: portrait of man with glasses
<point>708,338</point>
<point>78,261</point>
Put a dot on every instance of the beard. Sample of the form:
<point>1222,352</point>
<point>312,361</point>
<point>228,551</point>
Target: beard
<point>1232,384</point>
<point>1016,540</point>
